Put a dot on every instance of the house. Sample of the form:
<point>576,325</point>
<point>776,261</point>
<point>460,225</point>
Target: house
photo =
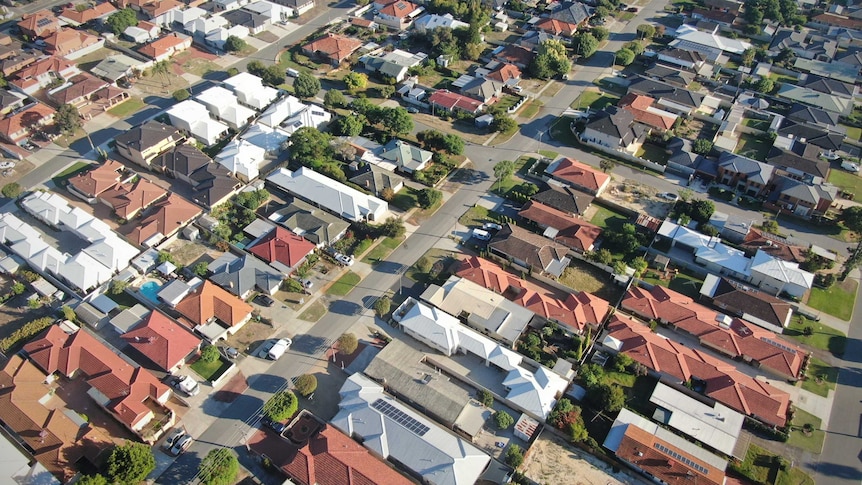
<point>79,92</point>
<point>532,251</point>
<point>564,198</point>
<point>165,219</point>
<point>211,183</point>
<point>715,256</point>
<point>575,13</point>
<point>255,23</point>
<point>374,179</point>
<point>133,395</point>
<point>273,11</point>
<point>710,44</point>
<point>670,75</point>
<point>91,184</point>
<point>744,174</point>
<point>39,24</point>
<point>614,128</point>
<point>98,12</point>
<point>217,38</point>
<point>749,304</point>
<point>449,101</point>
<point>162,341</point>
<point>803,199</point>
<point>531,391</point>
<point>17,128</point>
<point>250,91</point>
<point>393,431</point>
<point>298,6</point>
<point>813,135</point>
<point>242,158</point>
<point>803,44</point>
<point>270,139</point>
<point>224,106</point>
<point>330,194</point>
<point>142,33</point>
<point>690,60</point>
<point>311,116</point>
<point>332,48</point>
<point>396,14</point>
<point>826,101</point>
<point>777,276</point>
<point>533,39</point>
<point>575,313</point>
<point>677,364</point>
<point>240,275</point>
<point>488,91</point>
<point>644,112</point>
<point>656,452</point>
<point>130,198</point>
<point>394,64</point>
<point>800,162</point>
<point>166,46</point>
<point>10,101</point>
<point>282,249</point>
<point>17,61</point>
<point>364,23</point>
<point>516,55</point>
<point>667,96</point>
<point>808,114</point>
<point>406,156</point>
<point>563,228</point>
<point>194,118</point>
<point>116,67</point>
<point>72,44</point>
<point>556,27</point>
<point>846,72</point>
<point>731,337</point>
<point>159,11</point>
<point>507,74</point>
<point>143,143</point>
<point>282,110</point>
<point>432,21</point>
<point>314,224</point>
<point>43,73</point>
<point>310,452</point>
<point>210,308</point>
<point>579,175</point>
<point>199,27</point>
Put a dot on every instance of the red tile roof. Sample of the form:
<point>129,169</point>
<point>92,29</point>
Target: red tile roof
<point>97,180</point>
<point>452,101</point>
<point>162,340</point>
<point>398,9</point>
<point>162,45</point>
<point>333,46</point>
<point>504,73</point>
<point>581,175</point>
<point>168,217</point>
<point>638,105</point>
<point>735,338</point>
<point>577,311</point>
<point>283,246</point>
<point>638,447</point>
<point>724,383</point>
<point>209,300</point>
<point>571,231</point>
<point>88,14</point>
<point>83,87</point>
<point>838,21</point>
<point>775,246</point>
<point>33,24</point>
<point>515,54</point>
<point>66,41</point>
<point>130,198</point>
<point>125,386</point>
<point>556,27</point>
<point>36,115</point>
<point>329,457</point>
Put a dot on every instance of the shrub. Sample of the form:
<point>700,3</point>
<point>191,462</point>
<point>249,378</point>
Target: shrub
<point>210,353</point>
<point>181,95</point>
<point>117,287</point>
<point>428,197</point>
<point>130,463</point>
<point>424,264</point>
<point>382,306</point>
<point>219,467</point>
<point>281,406</point>
<point>808,330</point>
<point>514,456</point>
<point>503,420</point>
<point>306,384</point>
<point>347,343</point>
<point>485,397</point>
<point>11,190</point>
<point>26,332</point>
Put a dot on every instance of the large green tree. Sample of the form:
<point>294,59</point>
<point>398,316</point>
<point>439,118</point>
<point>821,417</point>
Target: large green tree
<point>625,57</point>
<point>122,20</point>
<point>348,125</point>
<point>852,218</point>
<point>334,99</point>
<point>130,463</point>
<point>234,44</point>
<point>280,406</point>
<point>308,145</point>
<point>67,119</point>
<point>585,44</point>
<point>219,467</point>
<point>397,120</point>
<point>355,81</point>
<point>306,85</point>
<point>551,60</point>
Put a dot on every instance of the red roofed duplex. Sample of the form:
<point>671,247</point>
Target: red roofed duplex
<point>580,175</point>
<point>556,27</point>
<point>130,392</point>
<point>284,247</point>
<point>561,227</point>
<point>165,342</point>
<point>729,336</point>
<point>576,311</point>
<point>638,447</point>
<point>450,101</point>
<point>721,380</point>
<point>642,108</point>
<point>94,182</point>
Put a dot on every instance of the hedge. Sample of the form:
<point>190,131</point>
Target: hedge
<point>28,331</point>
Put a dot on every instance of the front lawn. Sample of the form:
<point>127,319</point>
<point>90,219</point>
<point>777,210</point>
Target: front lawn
<point>760,466</point>
<point>849,182</point>
<point>314,312</point>
<point>813,441</point>
<point>608,219</point>
<point>209,370</point>
<point>653,153</point>
<point>60,178</point>
<point>438,261</point>
<point>561,131</point>
<point>837,300</point>
<point>821,377</point>
<point>532,109</point>
<point>478,215</point>
<point>379,252</point>
<point>344,285</point>
<point>406,198</point>
<point>127,107</point>
<point>752,147</point>
<point>853,132</point>
<point>823,337</point>
<point>595,100</point>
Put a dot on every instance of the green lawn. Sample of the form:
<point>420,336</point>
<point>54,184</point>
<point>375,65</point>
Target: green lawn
<point>653,153</point>
<point>849,182</point>
<point>853,132</point>
<point>682,283</point>
<point>595,100</point>
<point>344,285</point>
<point>823,338</point>
<point>759,467</point>
<point>812,443</point>
<point>783,78</point>
<point>561,131</point>
<point>752,147</point>
<point>532,109</point>
<point>837,301</point>
<point>623,379</point>
<point>60,178</point>
<point>825,373</point>
<point>209,370</point>
<point>607,218</point>
<point>434,256</point>
<point>314,312</point>
<point>127,107</point>
<point>548,154</point>
<point>379,252</point>
<point>406,199</point>
<point>752,123</point>
<point>478,215</point>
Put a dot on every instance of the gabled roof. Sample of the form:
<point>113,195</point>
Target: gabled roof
<point>790,161</point>
<point>129,198</point>
<point>617,123</point>
<point>405,154</point>
<point>660,90</point>
<point>809,114</point>
<point>813,135</point>
<point>209,301</point>
<point>537,251</point>
<point>98,180</point>
<point>580,174</point>
<point>757,240</point>
<point>162,340</point>
<point>829,102</point>
<point>571,12</point>
<point>751,303</point>
<point>561,227</point>
<point>334,46</point>
<point>827,85</point>
<point>755,171</point>
<point>642,108</point>
<point>451,101</point>
<point>83,87</point>
<point>282,246</point>
<point>565,199</point>
<point>515,54</point>
<point>147,135</point>
<point>241,274</point>
<point>345,201</point>
<point>165,218</point>
<point>556,27</point>
<point>504,72</point>
<point>398,9</point>
<point>670,75</point>
<point>783,271</point>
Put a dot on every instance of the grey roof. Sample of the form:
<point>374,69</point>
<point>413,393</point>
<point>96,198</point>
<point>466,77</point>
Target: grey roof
<point>616,122</point>
<point>115,67</point>
<point>742,300</point>
<point>683,55</point>
<point>812,134</point>
<point>794,163</point>
<point>9,98</point>
<point>211,182</point>
<point>808,114</point>
<point>129,318</point>
<point>826,85</point>
<point>241,274</point>
<point>564,198</point>
<point>571,12</point>
<point>755,171</point>
<point>807,192</point>
<point>788,39</point>
<point>314,224</point>
<point>174,291</point>
<point>146,135</point>
<point>660,90</point>
<point>374,179</point>
<point>482,89</point>
<point>851,56</point>
<point>669,75</point>
<point>246,18</point>
<point>535,250</point>
<point>405,155</point>
<point>89,314</point>
<point>685,159</point>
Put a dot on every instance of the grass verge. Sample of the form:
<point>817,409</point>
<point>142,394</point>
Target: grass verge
<point>314,312</point>
<point>837,300</point>
<point>127,107</point>
<point>812,442</point>
<point>344,285</point>
<point>209,370</point>
<point>379,252</point>
<point>821,377</point>
<point>823,337</point>
<point>60,178</point>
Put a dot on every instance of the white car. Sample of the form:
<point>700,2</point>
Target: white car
<point>186,385</point>
<point>280,347</point>
<point>4,165</point>
<point>850,166</point>
<point>174,437</point>
<point>492,225</point>
<point>830,155</point>
<point>667,196</point>
<point>181,445</point>
<point>344,259</point>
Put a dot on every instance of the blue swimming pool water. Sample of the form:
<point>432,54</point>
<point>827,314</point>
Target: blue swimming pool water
<point>151,289</point>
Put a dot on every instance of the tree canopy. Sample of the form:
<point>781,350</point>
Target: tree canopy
<point>427,197</point>
<point>355,81</point>
<point>306,384</point>
<point>308,145</point>
<point>334,99</point>
<point>219,467</point>
<point>121,20</point>
<point>272,75</point>
<point>396,120</point>
<point>503,123</point>
<point>234,44</point>
<point>281,406</point>
<point>348,125</point>
<point>852,218</point>
<point>625,57</point>
<point>67,119</point>
<point>130,463</point>
<point>585,44</point>
<point>551,60</point>
<point>306,85</point>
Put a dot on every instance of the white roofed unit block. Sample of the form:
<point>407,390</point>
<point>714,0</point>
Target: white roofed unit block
<point>330,194</point>
<point>218,37</point>
<point>278,112</point>
<point>193,117</point>
<point>222,104</point>
<point>242,158</point>
<point>250,91</point>
<point>270,139</point>
<point>394,431</point>
<point>312,116</point>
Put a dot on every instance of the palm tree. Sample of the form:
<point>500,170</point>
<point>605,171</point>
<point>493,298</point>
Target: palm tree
<point>163,68</point>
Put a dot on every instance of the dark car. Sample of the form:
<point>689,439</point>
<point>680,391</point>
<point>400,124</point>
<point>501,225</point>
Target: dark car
<point>263,300</point>
<point>276,426</point>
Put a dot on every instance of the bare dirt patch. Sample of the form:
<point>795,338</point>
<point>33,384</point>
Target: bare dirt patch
<point>551,460</point>
<point>250,335</point>
<point>187,252</point>
<point>467,132</point>
<point>638,197</point>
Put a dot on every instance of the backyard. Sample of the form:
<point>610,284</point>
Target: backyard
<point>607,218</point>
<point>583,276</point>
<point>686,284</point>
<point>847,181</point>
<point>209,371</point>
<point>752,147</point>
<point>837,300</point>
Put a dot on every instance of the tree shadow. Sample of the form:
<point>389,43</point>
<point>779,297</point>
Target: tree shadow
<point>343,307</point>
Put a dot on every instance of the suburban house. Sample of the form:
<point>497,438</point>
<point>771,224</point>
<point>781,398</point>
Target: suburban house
<point>394,64</point>
<point>250,91</point>
<point>803,44</point>
<point>679,364</point>
<point>133,395</point>
<point>10,101</point>
<point>776,246</point>
<point>644,112</point>
<point>556,27</point>
<point>488,91</point>
<point>127,199</point>
<point>803,199</point>
<point>507,74</point>
<point>726,335</point>
<point>218,37</point>
<point>574,13</point>
<point>670,75</point>
<point>211,183</point>
<point>143,143</point>
<point>684,59</point>
<point>333,48</point>
<point>242,158</point>
<point>224,106</point>
<point>744,174</point>
<point>800,162</point>
<point>406,156</point>
<point>710,44</point>
<point>72,44</point>
<point>39,24</point>
<point>166,46</point>
<point>749,304</point>
<point>273,11</point>
<point>314,224</point>
<point>164,219</point>
<point>827,101</point>
<point>814,135</point>
<point>116,67</point>
<point>516,55</point>
<point>194,118</point>
<point>396,14</point>
<point>777,276</point>
<point>374,179</point>
<point>432,21</point>
<point>213,312</point>
<point>43,73</point>
<point>80,91</point>
<point>449,101</point>
<point>530,250</point>
<point>255,23</point>
<point>162,341</point>
<point>91,184</point>
<point>614,128</point>
<point>579,175</point>
<point>330,194</point>
<point>310,452</point>
<point>240,275</point>
<point>142,33</point>
<point>298,6</point>
<point>563,228</point>
<point>564,198</point>
<point>809,114</point>
<point>668,97</point>
<point>282,249</point>
<point>270,139</point>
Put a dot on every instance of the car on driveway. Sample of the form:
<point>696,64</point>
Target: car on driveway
<point>181,445</point>
<point>263,300</point>
<point>173,438</point>
<point>667,196</point>
<point>850,166</point>
<point>491,226</point>
<point>186,385</point>
<point>306,283</point>
<point>412,110</point>
<point>280,347</point>
<point>276,426</point>
<point>344,259</point>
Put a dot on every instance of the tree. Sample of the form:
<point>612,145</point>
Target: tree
<point>93,480</point>
<point>348,125</point>
<point>209,354</point>
<point>514,456</point>
<point>622,362</point>
<point>609,397</point>
<point>130,463</point>
<point>852,218</point>
<point>763,85</point>
<point>200,269</point>
<point>701,210</point>
<point>485,397</point>
<point>219,467</point>
<point>503,420</point>
<point>347,343</point>
<point>639,264</point>
<point>387,92</point>
<point>162,68</point>
<point>503,123</point>
<point>382,305</point>
<point>646,31</point>
<point>748,56</point>
<point>308,144</point>
<point>306,85</point>
<point>585,44</point>
<point>122,20</point>
<point>334,99</point>
<point>117,287</point>
<point>635,47</point>
<point>354,81</point>
<point>11,190</point>
<point>234,44</point>
<point>393,227</point>
<point>280,406</point>
<point>550,60</point>
<point>397,120</point>
<point>181,95</point>
<point>68,313</point>
<point>600,33</point>
<point>67,119</point>
<point>306,384</point>
<point>428,197</point>
<point>702,146</point>
<point>504,169</point>
<point>607,165</point>
<point>625,57</point>
<point>604,256</point>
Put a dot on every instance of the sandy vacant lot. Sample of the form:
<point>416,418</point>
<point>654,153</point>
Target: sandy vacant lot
<point>551,460</point>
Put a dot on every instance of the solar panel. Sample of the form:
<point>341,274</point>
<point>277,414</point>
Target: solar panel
<point>400,417</point>
<point>682,459</point>
<point>778,344</point>
<point>43,22</point>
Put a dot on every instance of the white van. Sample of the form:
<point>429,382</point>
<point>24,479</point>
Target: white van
<point>292,72</point>
<point>481,235</point>
<point>279,348</point>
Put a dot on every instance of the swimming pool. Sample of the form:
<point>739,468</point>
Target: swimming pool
<point>151,289</point>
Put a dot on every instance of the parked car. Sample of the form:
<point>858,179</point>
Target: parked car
<point>172,439</point>
<point>491,225</point>
<point>481,235</point>
<point>306,283</point>
<point>517,89</point>
<point>280,347</point>
<point>276,426</point>
<point>668,196</point>
<point>830,155</point>
<point>344,259</point>
<point>186,385</point>
<point>263,300</point>
<point>230,352</point>
<point>632,9</point>
<point>412,109</point>
<point>181,445</point>
<point>850,166</point>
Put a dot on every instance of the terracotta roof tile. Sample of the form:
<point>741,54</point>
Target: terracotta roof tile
<point>333,46</point>
<point>129,198</point>
<point>162,340</point>
<point>571,231</point>
<point>98,180</point>
<point>581,175</point>
<point>167,217</point>
<point>283,246</point>
<point>638,447</point>
<point>210,300</point>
